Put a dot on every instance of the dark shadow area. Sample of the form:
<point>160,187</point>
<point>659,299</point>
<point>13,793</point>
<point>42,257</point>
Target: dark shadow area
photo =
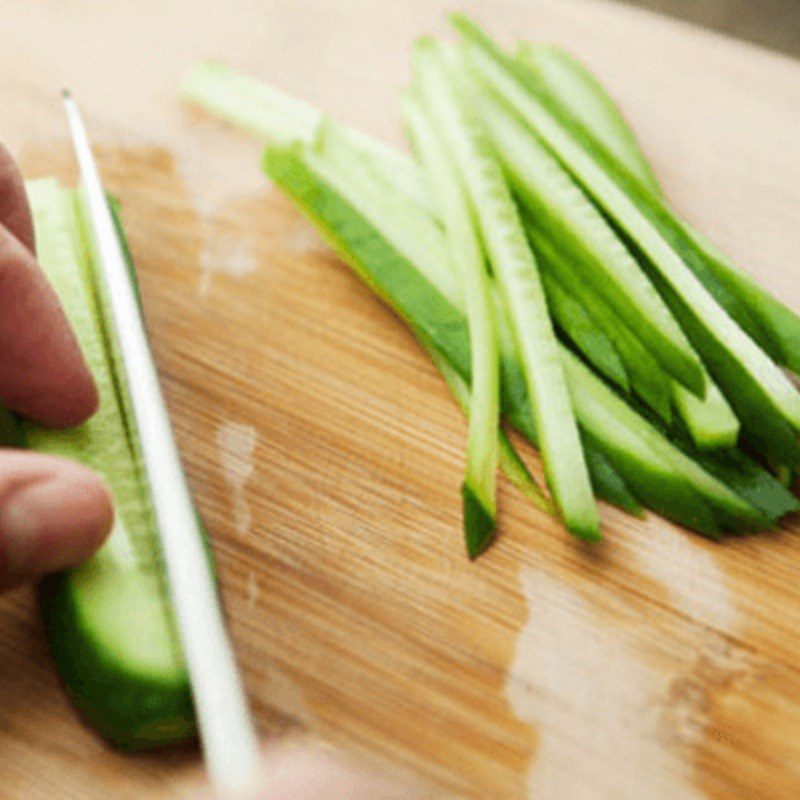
<point>770,23</point>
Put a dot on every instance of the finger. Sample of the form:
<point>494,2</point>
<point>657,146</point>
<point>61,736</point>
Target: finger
<point>42,372</point>
<point>54,514</point>
<point>15,213</point>
<point>307,773</point>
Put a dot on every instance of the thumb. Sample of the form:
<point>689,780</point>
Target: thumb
<point>54,514</point>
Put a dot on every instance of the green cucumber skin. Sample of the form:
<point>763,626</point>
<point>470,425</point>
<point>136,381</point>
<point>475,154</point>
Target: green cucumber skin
<point>576,324</point>
<point>135,699</point>
<point>479,522</point>
<point>130,710</point>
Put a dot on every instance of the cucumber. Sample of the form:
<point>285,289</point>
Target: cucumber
<point>647,380</point>
<point>752,383</point>
<point>272,115</point>
<point>569,83</point>
<point>275,117</point>
<point>623,465</point>
<point>357,211</point>
<point>509,460</point>
<point>611,421</point>
<point>311,186</point>
<point>601,260</point>
<point>711,421</point>
<point>437,76</point>
<point>108,622</point>
<point>575,323</point>
<point>480,483</point>
<point>771,324</point>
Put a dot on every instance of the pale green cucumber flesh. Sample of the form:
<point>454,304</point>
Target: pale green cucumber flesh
<point>108,622</point>
<point>105,635</point>
<point>466,258</point>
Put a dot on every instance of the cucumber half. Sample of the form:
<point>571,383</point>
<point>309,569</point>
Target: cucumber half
<point>108,622</point>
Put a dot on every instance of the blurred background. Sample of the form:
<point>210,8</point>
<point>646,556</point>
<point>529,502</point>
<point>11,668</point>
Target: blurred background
<point>771,23</point>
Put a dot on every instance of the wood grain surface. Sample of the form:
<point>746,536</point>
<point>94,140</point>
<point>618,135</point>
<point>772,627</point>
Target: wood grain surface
<point>326,454</point>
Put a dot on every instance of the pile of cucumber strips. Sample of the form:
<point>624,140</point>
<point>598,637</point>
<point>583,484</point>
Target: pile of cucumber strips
<point>531,250</point>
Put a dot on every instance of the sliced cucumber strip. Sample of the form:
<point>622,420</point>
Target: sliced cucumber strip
<point>710,421</point>
<point>480,485</point>
<point>583,97</point>
<point>438,81</point>
<point>108,622</point>
<point>577,325</point>
<point>509,460</point>
<point>273,116</point>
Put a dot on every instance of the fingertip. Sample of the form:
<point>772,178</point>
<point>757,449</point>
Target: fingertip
<point>53,523</point>
<point>67,405</point>
<point>43,373</point>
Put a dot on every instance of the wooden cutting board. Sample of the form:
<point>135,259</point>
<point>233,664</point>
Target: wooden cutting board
<point>326,455</point>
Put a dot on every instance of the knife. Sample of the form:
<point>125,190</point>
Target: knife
<point>227,732</point>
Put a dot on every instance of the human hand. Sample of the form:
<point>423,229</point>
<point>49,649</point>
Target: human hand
<point>53,513</point>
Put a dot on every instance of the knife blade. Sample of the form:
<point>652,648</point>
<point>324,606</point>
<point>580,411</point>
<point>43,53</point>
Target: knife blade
<point>227,732</point>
